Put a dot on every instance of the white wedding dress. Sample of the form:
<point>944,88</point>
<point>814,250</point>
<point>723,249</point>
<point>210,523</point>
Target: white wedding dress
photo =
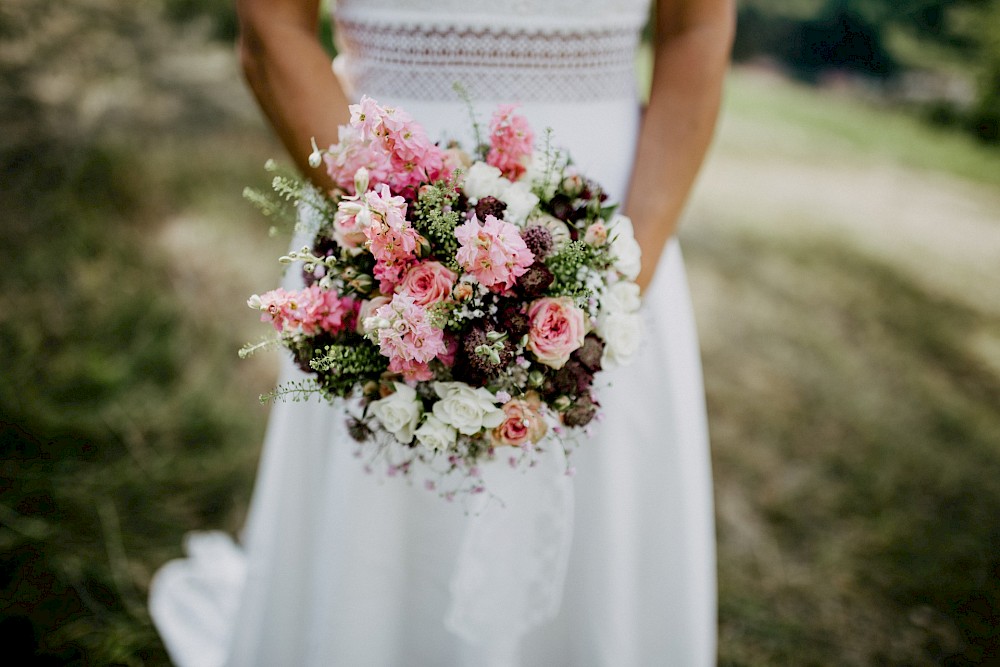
<point>615,566</point>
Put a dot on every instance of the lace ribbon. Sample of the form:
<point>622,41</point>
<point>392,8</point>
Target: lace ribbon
<point>570,62</point>
<point>512,563</point>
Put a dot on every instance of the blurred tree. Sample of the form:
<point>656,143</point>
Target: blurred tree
<point>813,36</point>
<point>221,14</point>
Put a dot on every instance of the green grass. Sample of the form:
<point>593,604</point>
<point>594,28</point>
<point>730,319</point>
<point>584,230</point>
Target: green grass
<point>855,442</point>
<point>809,124</point>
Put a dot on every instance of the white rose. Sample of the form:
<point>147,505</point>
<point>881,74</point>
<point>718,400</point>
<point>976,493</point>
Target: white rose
<point>468,410</point>
<point>622,297</point>
<point>520,200</point>
<point>622,334</point>
<point>625,250</point>
<point>482,180</point>
<point>435,435</point>
<point>399,413</point>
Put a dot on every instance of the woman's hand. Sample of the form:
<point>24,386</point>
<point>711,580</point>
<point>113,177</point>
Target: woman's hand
<point>693,42</point>
<point>289,72</point>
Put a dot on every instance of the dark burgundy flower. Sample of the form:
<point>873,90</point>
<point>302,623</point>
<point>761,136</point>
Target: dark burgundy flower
<point>535,280</point>
<point>562,207</point>
<point>490,206</point>
<point>581,412</point>
<point>512,319</point>
<point>590,353</point>
<point>573,379</point>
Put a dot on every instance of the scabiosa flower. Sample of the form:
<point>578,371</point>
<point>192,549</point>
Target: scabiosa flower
<point>539,240</point>
<point>511,142</point>
<point>494,253</point>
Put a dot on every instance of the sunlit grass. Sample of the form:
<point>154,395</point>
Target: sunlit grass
<point>806,123</point>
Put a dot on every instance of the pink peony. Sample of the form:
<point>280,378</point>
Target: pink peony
<point>494,253</point>
<point>428,283</point>
<point>511,142</point>
<point>522,423</point>
<point>557,328</point>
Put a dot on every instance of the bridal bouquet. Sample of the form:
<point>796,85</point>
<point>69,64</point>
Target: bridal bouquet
<point>465,301</point>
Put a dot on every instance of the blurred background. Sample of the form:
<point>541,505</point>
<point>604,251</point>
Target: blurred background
<point>844,254</point>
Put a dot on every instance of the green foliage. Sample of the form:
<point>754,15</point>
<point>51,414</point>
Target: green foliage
<point>438,225</point>
<point>566,263</point>
<point>341,367</point>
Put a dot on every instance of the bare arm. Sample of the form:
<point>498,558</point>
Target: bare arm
<point>693,41</point>
<point>289,73</point>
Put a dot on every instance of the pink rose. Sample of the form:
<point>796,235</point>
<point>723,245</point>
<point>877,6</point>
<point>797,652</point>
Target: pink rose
<point>428,283</point>
<point>557,329</point>
<point>522,423</point>
<point>596,234</point>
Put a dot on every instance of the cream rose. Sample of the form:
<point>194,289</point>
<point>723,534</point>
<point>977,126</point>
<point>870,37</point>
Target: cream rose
<point>435,435</point>
<point>622,334</point>
<point>466,409</point>
<point>428,283</point>
<point>557,329</point>
<point>625,250</point>
<point>399,412</point>
<point>622,297</point>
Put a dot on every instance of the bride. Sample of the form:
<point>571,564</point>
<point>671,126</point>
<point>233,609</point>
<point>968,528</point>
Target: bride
<point>614,567</point>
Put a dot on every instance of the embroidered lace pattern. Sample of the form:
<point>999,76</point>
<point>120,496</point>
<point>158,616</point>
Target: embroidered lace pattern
<point>592,60</point>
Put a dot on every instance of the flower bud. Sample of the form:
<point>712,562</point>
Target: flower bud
<point>361,180</point>
<point>315,158</point>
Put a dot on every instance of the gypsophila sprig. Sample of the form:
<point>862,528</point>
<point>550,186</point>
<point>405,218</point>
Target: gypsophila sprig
<point>462,304</point>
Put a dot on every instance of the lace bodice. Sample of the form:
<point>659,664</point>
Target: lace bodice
<point>514,50</point>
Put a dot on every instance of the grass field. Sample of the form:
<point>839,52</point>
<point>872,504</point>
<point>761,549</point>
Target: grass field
<point>843,260</point>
